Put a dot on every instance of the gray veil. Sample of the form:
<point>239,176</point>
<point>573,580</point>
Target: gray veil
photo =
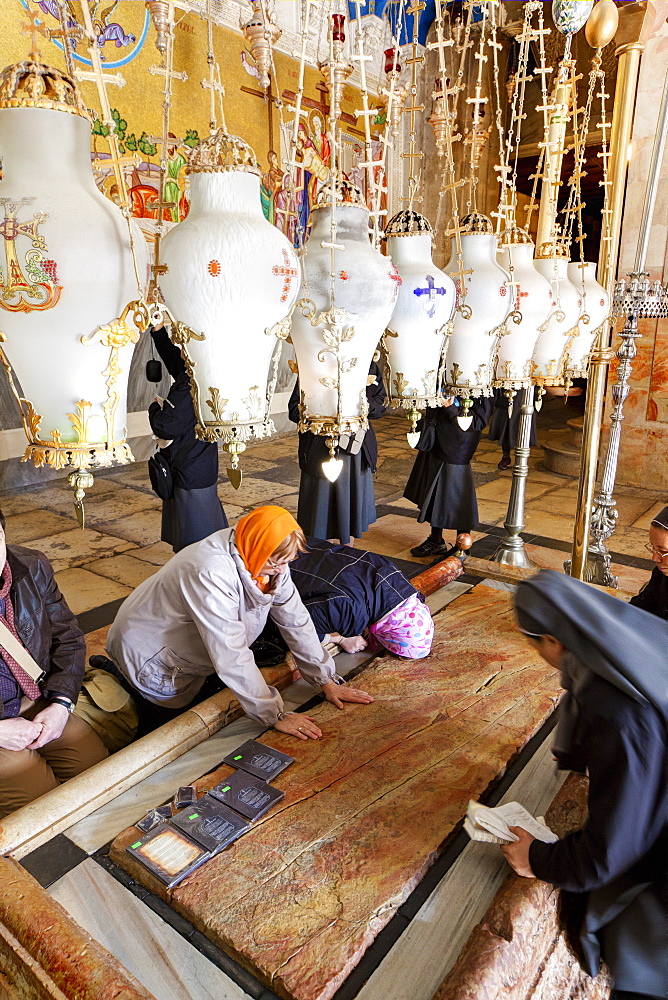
<point>626,646</point>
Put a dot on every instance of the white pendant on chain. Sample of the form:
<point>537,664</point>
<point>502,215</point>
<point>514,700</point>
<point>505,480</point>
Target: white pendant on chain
<point>595,311</point>
<point>232,279</point>
<point>347,298</point>
<point>471,349</point>
<point>561,326</point>
<point>67,271</point>
<point>425,304</point>
<point>533,305</point>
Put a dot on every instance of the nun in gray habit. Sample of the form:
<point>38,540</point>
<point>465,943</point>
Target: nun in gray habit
<point>612,724</point>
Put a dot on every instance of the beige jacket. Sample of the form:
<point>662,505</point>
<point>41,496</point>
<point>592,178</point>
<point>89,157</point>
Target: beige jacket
<point>198,615</point>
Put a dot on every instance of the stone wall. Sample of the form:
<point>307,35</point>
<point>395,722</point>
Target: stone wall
<point>644,444</point>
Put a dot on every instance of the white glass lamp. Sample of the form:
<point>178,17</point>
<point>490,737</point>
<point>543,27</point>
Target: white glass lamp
<point>231,282</point>
<point>595,311</point>
<point>562,324</point>
<point>477,326</point>
<point>416,332</point>
<point>67,278</point>
<point>349,294</point>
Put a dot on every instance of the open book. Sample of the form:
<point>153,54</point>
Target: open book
<point>493,825</point>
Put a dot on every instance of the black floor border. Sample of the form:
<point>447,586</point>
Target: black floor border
<point>385,940</point>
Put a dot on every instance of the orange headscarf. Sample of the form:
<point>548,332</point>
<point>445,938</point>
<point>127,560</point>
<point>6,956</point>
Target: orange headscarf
<point>258,535</point>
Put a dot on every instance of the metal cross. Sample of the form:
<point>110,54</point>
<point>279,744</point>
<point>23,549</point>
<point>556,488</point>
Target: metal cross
<point>34,29</point>
<point>287,272</point>
<point>432,291</point>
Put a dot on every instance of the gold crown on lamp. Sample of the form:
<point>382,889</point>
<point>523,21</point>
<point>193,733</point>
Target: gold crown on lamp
<point>33,84</point>
<point>552,250</point>
<point>347,193</point>
<point>515,237</point>
<point>476,222</point>
<point>408,223</point>
<point>220,152</point>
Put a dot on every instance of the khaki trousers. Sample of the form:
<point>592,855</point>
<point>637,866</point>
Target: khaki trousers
<point>27,774</point>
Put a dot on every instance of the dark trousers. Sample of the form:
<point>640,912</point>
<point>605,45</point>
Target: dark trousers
<point>153,716</point>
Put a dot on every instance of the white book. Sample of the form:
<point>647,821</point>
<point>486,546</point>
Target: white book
<point>492,825</point>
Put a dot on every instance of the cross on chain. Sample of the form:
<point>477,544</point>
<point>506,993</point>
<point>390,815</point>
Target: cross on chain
<point>34,29</point>
<point>287,273</point>
<point>432,291</point>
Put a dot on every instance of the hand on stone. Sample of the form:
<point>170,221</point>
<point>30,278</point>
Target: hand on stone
<point>338,694</point>
<point>17,734</point>
<point>301,726</point>
<point>53,719</point>
<point>517,853</point>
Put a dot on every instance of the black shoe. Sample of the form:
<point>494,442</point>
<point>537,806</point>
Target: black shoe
<point>504,463</point>
<point>430,547</point>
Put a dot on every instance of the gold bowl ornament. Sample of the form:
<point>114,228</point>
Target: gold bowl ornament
<point>602,24</point>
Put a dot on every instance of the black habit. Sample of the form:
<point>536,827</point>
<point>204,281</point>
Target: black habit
<point>441,481</point>
<point>346,507</point>
<point>194,512</point>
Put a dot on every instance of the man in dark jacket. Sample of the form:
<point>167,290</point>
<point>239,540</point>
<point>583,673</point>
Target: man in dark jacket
<point>194,511</point>
<point>41,743</point>
<point>654,595</point>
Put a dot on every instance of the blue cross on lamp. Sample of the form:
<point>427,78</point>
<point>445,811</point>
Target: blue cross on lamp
<point>432,292</point>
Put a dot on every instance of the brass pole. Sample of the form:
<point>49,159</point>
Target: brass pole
<point>622,123</point>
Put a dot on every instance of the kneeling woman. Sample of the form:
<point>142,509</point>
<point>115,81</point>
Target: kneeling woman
<point>199,613</point>
<point>358,599</point>
<point>612,725</point>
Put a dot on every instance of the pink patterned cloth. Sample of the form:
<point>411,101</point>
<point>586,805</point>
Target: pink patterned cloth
<point>406,631</point>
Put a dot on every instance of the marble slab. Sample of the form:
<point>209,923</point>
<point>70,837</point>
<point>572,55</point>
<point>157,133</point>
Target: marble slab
<point>427,949</point>
<point>300,898</point>
<point>156,955</point>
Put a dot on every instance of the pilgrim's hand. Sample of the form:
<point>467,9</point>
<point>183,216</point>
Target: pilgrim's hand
<point>340,693</point>
<point>53,719</point>
<point>17,734</point>
<point>517,853</point>
<point>352,644</point>
<point>301,726</point>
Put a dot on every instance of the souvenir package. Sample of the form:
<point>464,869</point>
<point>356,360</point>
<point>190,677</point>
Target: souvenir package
<point>258,759</point>
<point>168,854</point>
<point>186,795</point>
<point>246,794</point>
<point>211,824</point>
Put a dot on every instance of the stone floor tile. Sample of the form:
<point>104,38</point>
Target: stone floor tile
<point>123,503</point>
<point>23,528</point>
<point>70,549</point>
<point>142,528</point>
<point>123,569</point>
<point>492,511</point>
<point>539,522</point>
<point>499,490</point>
<point>84,590</point>
<point>645,519</point>
<point>158,554</point>
<point>253,492</point>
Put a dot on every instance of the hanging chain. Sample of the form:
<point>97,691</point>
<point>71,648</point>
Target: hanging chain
<point>450,183</point>
<point>543,71</point>
<point>112,138</point>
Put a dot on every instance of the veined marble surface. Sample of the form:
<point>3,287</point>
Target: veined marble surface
<point>163,961</point>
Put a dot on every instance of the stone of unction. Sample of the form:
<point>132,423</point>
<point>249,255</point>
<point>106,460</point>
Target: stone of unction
<point>300,898</point>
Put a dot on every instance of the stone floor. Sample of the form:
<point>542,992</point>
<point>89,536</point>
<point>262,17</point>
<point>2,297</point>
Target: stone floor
<point>120,545</point>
